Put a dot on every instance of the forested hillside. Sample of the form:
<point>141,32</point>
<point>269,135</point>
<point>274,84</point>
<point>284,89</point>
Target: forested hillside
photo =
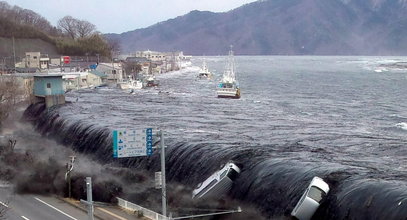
<point>32,32</point>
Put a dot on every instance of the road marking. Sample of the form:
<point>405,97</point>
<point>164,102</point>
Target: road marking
<point>4,204</point>
<point>111,213</point>
<point>25,218</point>
<point>55,208</point>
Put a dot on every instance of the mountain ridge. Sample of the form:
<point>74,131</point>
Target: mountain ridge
<point>281,27</point>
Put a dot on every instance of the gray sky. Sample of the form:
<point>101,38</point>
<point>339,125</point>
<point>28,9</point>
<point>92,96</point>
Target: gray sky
<point>117,16</point>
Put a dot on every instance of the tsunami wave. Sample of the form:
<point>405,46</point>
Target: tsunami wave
<point>269,180</point>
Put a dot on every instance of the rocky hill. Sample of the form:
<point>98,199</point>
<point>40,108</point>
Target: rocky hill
<point>284,27</point>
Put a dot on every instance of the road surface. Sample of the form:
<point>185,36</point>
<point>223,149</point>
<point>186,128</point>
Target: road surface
<point>37,207</point>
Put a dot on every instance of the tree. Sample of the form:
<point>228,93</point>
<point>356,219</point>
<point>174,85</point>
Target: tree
<point>25,17</point>
<point>85,28</point>
<point>68,25</point>
<point>114,44</point>
<point>10,94</point>
<point>75,28</point>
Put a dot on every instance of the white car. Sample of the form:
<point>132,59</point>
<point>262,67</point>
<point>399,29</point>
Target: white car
<point>310,200</point>
<point>218,183</point>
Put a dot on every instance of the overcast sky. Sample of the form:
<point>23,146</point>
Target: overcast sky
<point>117,16</point>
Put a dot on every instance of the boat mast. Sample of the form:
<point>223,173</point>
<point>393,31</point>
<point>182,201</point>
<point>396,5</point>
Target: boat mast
<point>231,63</point>
<point>229,74</point>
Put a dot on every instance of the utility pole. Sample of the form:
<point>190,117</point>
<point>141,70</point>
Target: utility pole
<point>113,71</point>
<point>163,188</point>
<point>14,55</point>
<point>4,65</point>
<point>69,167</point>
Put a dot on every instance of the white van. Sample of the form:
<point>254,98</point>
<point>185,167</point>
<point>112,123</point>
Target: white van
<point>218,183</point>
<point>310,200</point>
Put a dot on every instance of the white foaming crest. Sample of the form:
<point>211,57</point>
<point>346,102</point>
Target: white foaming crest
<point>402,125</point>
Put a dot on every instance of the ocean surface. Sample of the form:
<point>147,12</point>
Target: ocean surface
<point>343,119</point>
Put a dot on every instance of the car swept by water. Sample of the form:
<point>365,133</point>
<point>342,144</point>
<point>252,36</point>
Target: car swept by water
<point>218,184</point>
<point>311,199</point>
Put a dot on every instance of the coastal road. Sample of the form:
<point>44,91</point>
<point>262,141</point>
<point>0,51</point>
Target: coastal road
<point>35,207</point>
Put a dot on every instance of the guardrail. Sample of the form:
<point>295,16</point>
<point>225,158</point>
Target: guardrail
<point>141,210</point>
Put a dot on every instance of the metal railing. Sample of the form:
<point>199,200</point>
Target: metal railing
<point>145,212</point>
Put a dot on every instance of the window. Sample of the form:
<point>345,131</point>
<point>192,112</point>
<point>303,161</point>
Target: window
<point>48,85</point>
<point>232,174</point>
<point>223,174</point>
<point>316,194</point>
<point>35,57</point>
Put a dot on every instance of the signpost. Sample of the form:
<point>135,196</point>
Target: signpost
<point>89,201</point>
<point>158,180</point>
<point>135,143</point>
<point>132,143</point>
<point>67,59</point>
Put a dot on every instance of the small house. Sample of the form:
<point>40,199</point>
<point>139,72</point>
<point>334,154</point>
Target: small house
<point>49,89</point>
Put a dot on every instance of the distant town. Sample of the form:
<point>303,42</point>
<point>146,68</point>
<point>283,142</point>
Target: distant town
<point>90,71</point>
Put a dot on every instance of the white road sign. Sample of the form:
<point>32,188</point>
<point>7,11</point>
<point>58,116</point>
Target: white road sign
<point>158,180</point>
<point>132,143</point>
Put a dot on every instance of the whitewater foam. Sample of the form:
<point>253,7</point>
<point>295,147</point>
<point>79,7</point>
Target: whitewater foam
<point>402,125</point>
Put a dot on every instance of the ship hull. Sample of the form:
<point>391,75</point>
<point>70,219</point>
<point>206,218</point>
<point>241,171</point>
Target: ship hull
<point>229,93</point>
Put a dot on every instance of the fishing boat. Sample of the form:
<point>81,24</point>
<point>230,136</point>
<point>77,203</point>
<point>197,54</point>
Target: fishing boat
<point>229,86</point>
<point>218,184</point>
<point>204,73</point>
<point>151,81</point>
<point>130,84</point>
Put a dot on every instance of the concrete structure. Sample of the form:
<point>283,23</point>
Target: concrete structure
<point>36,60</point>
<point>137,59</point>
<point>152,55</point>
<point>44,63</point>
<point>78,80</point>
<point>160,62</point>
<point>74,80</point>
<point>49,89</point>
<point>32,59</point>
<point>96,78</point>
<point>113,71</point>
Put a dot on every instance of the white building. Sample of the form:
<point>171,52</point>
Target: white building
<point>36,60</point>
<point>151,55</point>
<point>113,71</point>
